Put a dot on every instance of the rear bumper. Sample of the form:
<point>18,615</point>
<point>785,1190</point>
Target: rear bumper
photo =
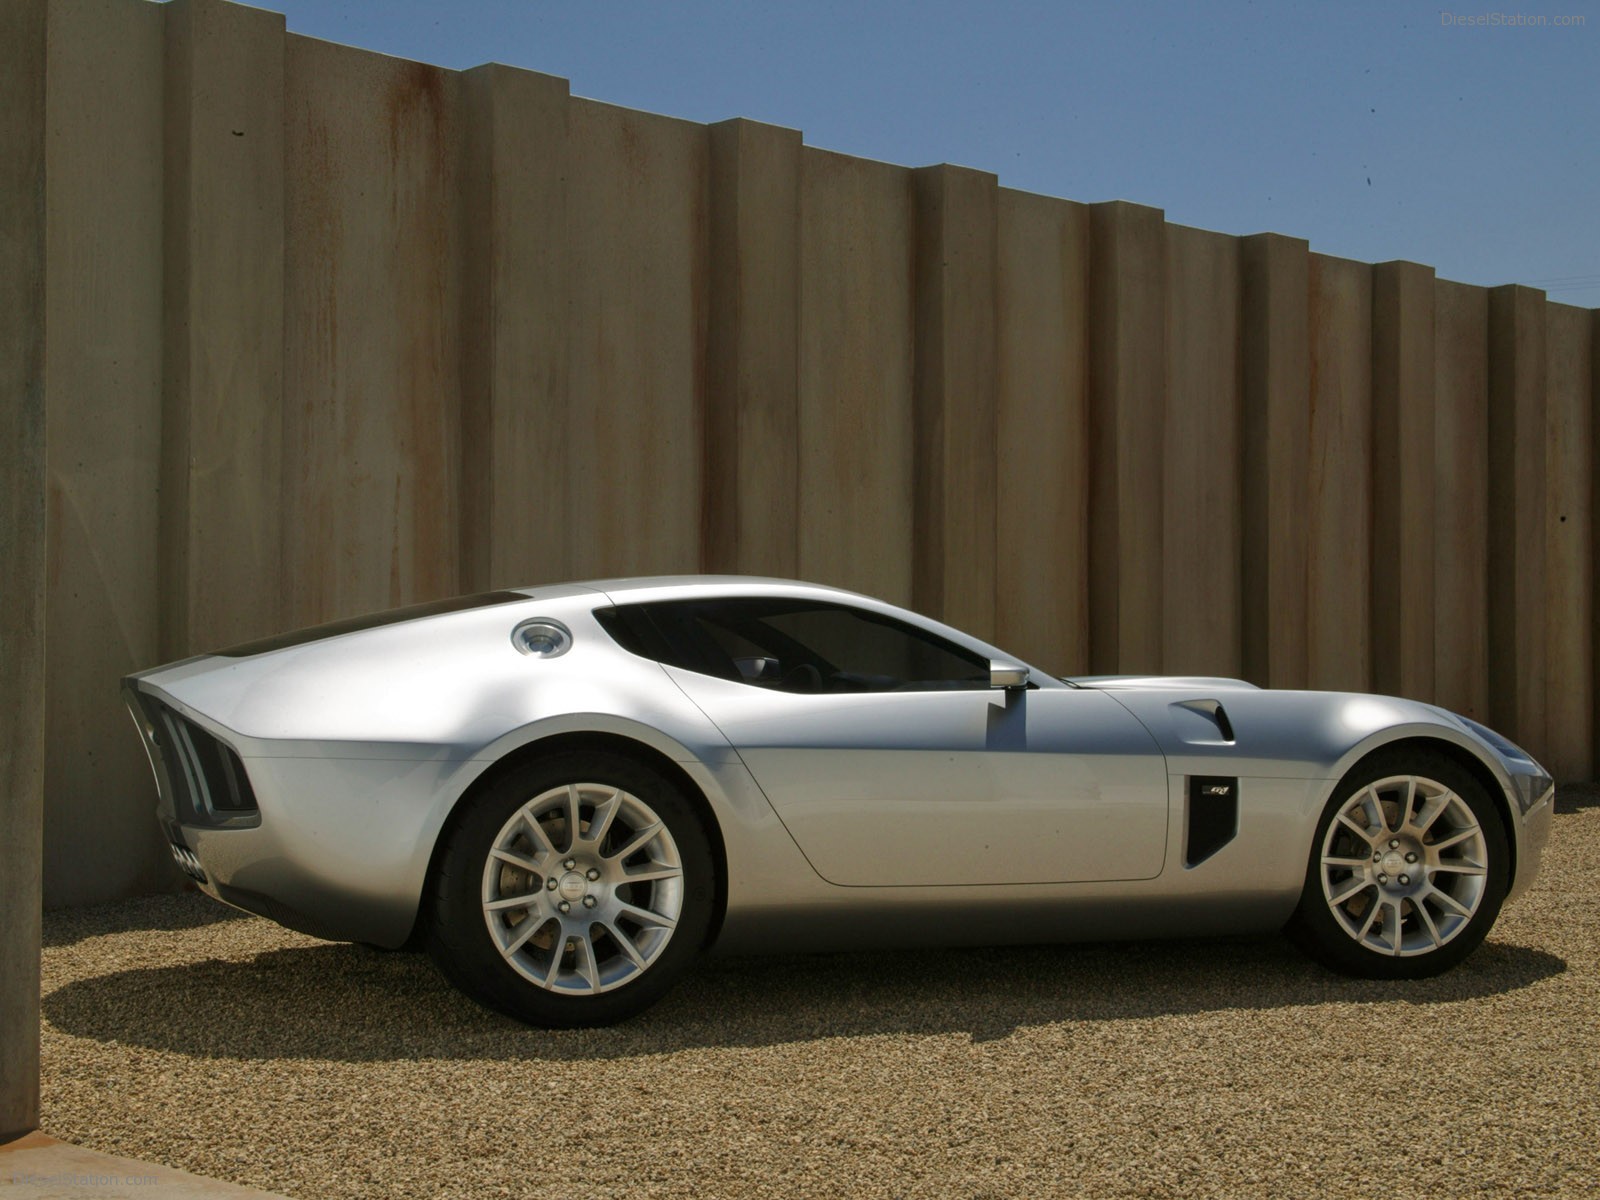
<point>330,846</point>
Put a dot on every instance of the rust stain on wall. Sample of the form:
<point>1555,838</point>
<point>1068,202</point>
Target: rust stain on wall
<point>424,208</point>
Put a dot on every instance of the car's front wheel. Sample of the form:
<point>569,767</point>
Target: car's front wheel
<point>573,891</point>
<point>1408,869</point>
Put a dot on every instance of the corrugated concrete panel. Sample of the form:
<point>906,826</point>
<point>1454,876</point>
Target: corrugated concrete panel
<point>1275,399</point>
<point>753,351</point>
<point>953,397</point>
<point>103,381</point>
<point>1127,416</point>
<point>515,275</point>
<point>372,424</point>
<point>1569,543</point>
<point>636,221</point>
<point>1403,531</point>
<point>222,419</point>
<point>1042,432</point>
<point>1461,499</point>
<point>856,342</point>
<point>1517,450</point>
<point>1338,638</point>
<point>1202,563</point>
<point>23,27</point>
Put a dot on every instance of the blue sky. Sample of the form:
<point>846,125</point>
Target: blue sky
<point>1376,130</point>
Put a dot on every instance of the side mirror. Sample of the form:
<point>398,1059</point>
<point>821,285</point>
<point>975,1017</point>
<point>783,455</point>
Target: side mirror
<point>1007,675</point>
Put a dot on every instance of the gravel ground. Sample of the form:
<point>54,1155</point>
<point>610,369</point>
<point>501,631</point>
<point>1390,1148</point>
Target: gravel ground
<point>178,1032</point>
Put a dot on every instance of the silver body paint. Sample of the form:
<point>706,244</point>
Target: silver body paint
<point>901,818</point>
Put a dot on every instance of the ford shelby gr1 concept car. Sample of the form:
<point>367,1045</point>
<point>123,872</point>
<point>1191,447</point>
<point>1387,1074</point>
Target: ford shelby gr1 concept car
<point>568,793</point>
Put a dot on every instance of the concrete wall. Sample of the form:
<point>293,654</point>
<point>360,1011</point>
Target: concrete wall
<point>329,331</point>
<point>22,553</point>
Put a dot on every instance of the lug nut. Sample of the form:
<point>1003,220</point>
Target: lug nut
<point>1411,858</point>
<point>1405,880</point>
<point>1377,856</point>
<point>1394,844</point>
<point>593,873</point>
<point>588,901</point>
<point>572,863</point>
<point>564,907</point>
<point>551,884</point>
<point>1383,879</point>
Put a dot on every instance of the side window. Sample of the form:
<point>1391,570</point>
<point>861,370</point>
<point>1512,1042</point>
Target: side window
<point>807,646</point>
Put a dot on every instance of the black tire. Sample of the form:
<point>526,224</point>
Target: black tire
<point>499,961</point>
<point>1336,922</point>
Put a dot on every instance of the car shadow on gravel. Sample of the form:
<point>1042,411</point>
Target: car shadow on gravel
<point>1574,797</point>
<point>342,1003</point>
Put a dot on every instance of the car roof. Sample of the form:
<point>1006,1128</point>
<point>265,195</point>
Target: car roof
<point>665,587</point>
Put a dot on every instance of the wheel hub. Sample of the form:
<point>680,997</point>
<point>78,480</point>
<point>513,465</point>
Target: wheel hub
<point>1393,865</point>
<point>572,886</point>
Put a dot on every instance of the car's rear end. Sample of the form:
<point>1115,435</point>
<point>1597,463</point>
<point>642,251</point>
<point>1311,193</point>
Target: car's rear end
<point>297,777</point>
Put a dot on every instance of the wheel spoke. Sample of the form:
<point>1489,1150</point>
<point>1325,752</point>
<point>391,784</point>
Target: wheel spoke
<point>1350,864</point>
<point>529,927</point>
<point>587,967</point>
<point>645,917</point>
<point>1373,807</point>
<point>600,823</point>
<point>557,953</point>
<point>625,944</point>
<point>1370,839</point>
<point>1432,807</point>
<point>640,840</point>
<point>1427,923</point>
<point>574,818</point>
<point>1461,867</point>
<point>527,900</point>
<point>520,861</point>
<point>1399,922</point>
<point>1403,817</point>
<point>1374,911</point>
<point>536,829</point>
<point>1459,837</point>
<point>653,871</point>
<point>1352,888</point>
<point>1446,900</point>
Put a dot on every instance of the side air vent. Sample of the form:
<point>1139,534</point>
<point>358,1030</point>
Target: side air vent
<point>1213,817</point>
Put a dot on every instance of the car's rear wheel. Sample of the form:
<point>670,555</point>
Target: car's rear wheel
<point>574,891</point>
<point>1408,869</point>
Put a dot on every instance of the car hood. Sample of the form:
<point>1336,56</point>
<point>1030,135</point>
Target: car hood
<point>1165,683</point>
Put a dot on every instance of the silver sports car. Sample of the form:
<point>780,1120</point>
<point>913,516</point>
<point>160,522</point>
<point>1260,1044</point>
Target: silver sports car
<point>568,793</point>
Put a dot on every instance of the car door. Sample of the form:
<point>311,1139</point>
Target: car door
<point>893,763</point>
